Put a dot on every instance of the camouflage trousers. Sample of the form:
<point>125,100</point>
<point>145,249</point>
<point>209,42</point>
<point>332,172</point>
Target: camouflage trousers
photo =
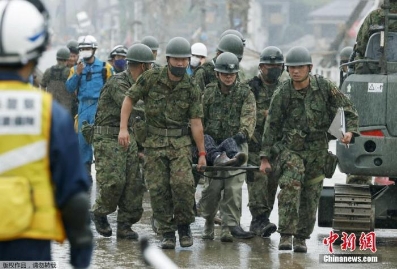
<point>168,173</point>
<point>118,179</point>
<point>301,182</point>
<point>230,202</point>
<point>262,189</point>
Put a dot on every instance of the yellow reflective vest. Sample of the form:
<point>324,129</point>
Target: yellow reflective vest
<point>27,196</point>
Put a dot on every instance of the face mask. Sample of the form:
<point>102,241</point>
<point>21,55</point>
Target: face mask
<point>177,71</point>
<point>120,64</point>
<point>273,74</point>
<point>194,61</point>
<point>85,54</point>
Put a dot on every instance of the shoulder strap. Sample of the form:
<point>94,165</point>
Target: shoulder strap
<point>104,72</point>
<point>324,94</point>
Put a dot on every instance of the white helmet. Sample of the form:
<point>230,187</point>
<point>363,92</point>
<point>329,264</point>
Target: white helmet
<point>199,49</point>
<point>87,41</point>
<point>22,37</point>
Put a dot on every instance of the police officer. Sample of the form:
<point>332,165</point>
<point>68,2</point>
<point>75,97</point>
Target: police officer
<point>229,112</point>
<point>295,142</point>
<point>153,44</point>
<point>87,79</point>
<point>117,169</point>
<point>205,73</point>
<point>117,58</point>
<point>39,159</point>
<point>172,103</point>
<point>261,188</point>
<point>54,79</point>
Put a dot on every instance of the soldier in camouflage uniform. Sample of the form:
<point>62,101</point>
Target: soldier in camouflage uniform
<point>205,73</point>
<point>172,104</point>
<point>117,168</point>
<point>262,188</point>
<point>295,141</point>
<point>54,79</point>
<point>372,23</point>
<point>153,44</point>
<point>229,112</point>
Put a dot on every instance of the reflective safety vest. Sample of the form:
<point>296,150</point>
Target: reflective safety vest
<point>27,196</point>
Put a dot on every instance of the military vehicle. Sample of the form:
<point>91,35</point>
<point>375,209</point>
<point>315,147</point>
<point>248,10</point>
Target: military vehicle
<point>362,208</point>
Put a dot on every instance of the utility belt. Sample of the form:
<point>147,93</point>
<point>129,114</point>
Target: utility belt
<point>169,132</point>
<point>106,130</point>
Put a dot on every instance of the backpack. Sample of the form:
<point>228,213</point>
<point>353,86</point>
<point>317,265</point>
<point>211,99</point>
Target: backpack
<point>56,86</point>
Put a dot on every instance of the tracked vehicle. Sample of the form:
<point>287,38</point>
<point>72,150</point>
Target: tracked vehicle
<point>362,208</point>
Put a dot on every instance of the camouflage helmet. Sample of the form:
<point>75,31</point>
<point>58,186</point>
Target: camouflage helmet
<point>73,46</point>
<point>178,47</point>
<point>140,53</point>
<point>233,32</point>
<point>231,43</point>
<point>227,63</point>
<point>63,54</point>
<point>345,54</point>
<point>271,55</point>
<point>151,42</point>
<point>297,56</point>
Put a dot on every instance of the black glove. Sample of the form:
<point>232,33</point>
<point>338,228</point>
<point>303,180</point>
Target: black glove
<point>240,138</point>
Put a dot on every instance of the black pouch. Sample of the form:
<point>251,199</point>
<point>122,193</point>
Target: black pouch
<point>330,164</point>
<point>87,130</point>
<point>140,130</point>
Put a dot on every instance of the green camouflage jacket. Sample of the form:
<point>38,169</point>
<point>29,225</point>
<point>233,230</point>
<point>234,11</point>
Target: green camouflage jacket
<point>263,95</point>
<point>375,18</point>
<point>300,122</point>
<point>167,106</point>
<point>205,74</point>
<point>111,99</point>
<point>227,114</point>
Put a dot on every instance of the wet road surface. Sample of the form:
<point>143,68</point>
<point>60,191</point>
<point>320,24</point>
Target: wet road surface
<point>252,253</point>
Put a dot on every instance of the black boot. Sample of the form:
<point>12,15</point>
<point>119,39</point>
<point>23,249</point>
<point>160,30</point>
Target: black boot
<point>124,231</point>
<point>185,235</point>
<point>238,232</point>
<point>102,225</point>
<point>168,241</point>
<point>262,227</point>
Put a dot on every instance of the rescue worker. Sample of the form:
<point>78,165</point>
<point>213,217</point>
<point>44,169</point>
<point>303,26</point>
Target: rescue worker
<point>87,79</point>
<point>74,52</point>
<point>199,55</point>
<point>54,79</point>
<point>229,112</point>
<point>39,160</point>
<point>117,170</point>
<point>172,103</point>
<point>295,145</point>
<point>373,23</point>
<point>153,44</point>
<point>118,60</point>
<point>205,73</point>
<point>262,188</point>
